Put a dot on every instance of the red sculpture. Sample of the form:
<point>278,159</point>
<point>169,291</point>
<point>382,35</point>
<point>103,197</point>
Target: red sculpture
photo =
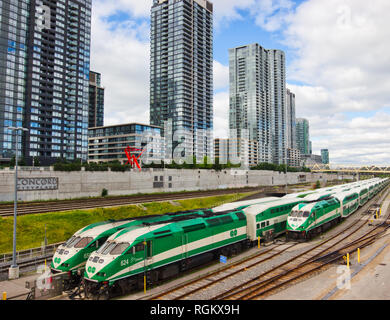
<point>132,159</point>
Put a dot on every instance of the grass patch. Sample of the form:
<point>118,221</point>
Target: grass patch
<point>60,226</point>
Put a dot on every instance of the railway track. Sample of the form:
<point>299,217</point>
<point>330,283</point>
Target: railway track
<point>66,205</point>
<point>208,280</point>
<point>282,274</point>
<point>303,265</point>
<point>266,287</point>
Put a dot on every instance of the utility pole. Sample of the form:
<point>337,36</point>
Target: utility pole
<point>286,173</point>
<point>14,270</point>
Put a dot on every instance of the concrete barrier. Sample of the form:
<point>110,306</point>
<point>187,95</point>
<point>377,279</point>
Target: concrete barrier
<point>90,184</point>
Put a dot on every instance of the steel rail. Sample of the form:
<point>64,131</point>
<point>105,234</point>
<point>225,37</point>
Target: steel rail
<point>315,265</point>
<point>219,271</point>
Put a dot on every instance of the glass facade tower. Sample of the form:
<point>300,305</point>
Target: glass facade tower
<point>291,121</point>
<point>181,73</point>
<point>325,156</point>
<point>14,20</point>
<point>303,137</point>
<point>96,101</point>
<point>258,99</point>
<point>47,48</point>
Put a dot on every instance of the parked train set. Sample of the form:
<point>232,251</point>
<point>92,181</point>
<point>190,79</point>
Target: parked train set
<point>114,257</point>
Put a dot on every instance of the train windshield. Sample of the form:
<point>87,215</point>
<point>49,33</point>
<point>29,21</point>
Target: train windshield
<point>119,249</point>
<point>78,242</point>
<point>294,214</point>
<point>106,248</point>
<point>83,242</point>
<point>70,241</point>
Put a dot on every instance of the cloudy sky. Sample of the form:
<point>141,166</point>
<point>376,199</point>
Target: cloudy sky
<point>338,65</point>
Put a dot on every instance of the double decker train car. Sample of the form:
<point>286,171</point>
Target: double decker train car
<point>349,202</point>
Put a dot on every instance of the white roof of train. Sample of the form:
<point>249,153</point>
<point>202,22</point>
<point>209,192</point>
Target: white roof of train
<point>341,195</point>
<point>234,205</point>
<point>256,209</point>
<point>97,230</point>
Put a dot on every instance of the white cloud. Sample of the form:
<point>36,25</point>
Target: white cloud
<point>226,11</point>
<point>272,15</point>
<point>341,57</point>
<point>355,141</point>
<point>340,47</point>
<point>120,51</point>
<point>221,115</point>
<point>106,8</point>
<point>221,76</point>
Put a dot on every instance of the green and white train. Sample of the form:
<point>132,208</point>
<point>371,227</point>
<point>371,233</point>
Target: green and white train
<point>159,247</point>
<point>72,256</point>
<point>161,250</point>
<point>309,219</point>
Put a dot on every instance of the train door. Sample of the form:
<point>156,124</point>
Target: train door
<point>314,217</point>
<point>148,253</point>
<point>184,246</point>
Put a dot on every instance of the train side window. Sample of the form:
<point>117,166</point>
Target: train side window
<point>139,247</point>
<point>267,223</point>
<point>263,225</point>
<point>240,216</point>
<point>258,226</point>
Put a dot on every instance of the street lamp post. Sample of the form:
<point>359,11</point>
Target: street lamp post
<point>14,270</point>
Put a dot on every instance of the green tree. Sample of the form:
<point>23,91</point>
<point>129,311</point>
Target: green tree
<point>36,162</point>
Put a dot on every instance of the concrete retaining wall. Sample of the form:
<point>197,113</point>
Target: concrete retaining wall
<point>90,184</point>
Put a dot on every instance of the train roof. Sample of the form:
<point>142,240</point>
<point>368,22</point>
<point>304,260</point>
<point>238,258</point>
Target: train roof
<point>235,205</point>
<point>299,194</point>
<point>360,188</point>
<point>133,233</point>
<point>317,196</point>
<point>310,206</point>
<point>256,209</point>
<point>342,195</point>
<point>136,232</point>
<point>97,229</point>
